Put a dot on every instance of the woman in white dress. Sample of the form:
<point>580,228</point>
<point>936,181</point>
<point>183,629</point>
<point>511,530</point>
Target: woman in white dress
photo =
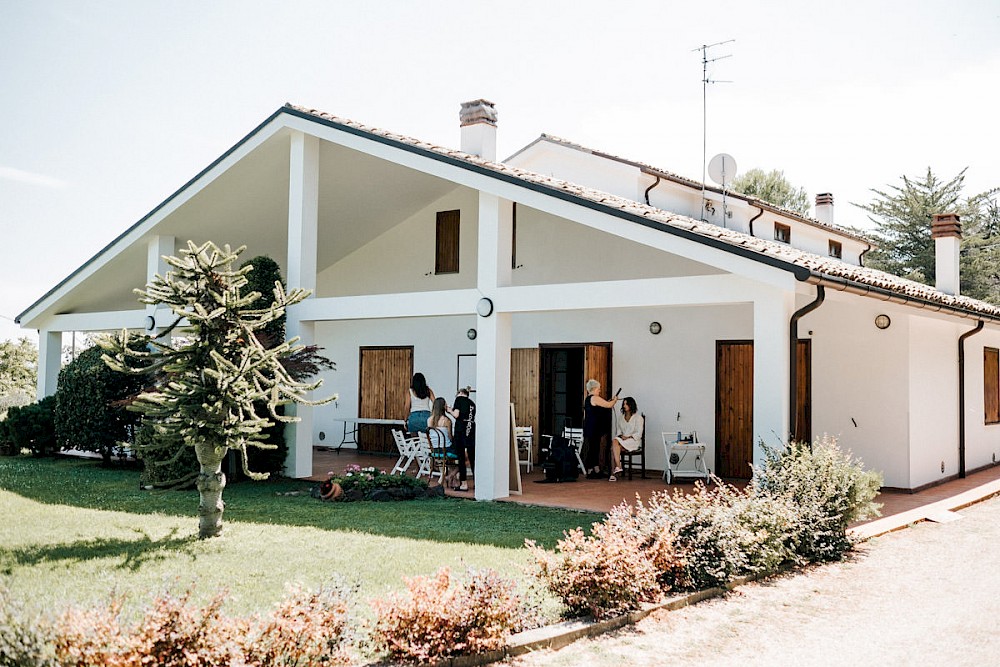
<point>629,435</point>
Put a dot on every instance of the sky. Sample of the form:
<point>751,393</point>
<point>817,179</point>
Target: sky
<point>109,106</point>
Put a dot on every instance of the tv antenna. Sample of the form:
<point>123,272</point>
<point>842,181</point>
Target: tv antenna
<point>704,107</point>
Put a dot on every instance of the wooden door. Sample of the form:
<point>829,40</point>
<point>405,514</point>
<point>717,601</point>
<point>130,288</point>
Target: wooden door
<point>597,366</point>
<point>383,393</point>
<point>524,383</point>
<point>803,391</point>
<point>733,408</point>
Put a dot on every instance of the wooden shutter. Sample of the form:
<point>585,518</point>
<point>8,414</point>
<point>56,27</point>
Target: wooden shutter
<point>383,382</point>
<point>991,384</point>
<point>597,366</point>
<point>803,398</point>
<point>446,252</point>
<point>734,408</point>
<point>524,369</point>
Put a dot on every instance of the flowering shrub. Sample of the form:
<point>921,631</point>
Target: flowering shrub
<point>306,628</point>
<point>437,617</point>
<point>611,571</point>
<point>360,483</point>
<point>828,486</point>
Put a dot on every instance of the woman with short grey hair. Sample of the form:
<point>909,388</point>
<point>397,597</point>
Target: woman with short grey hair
<point>596,430</point>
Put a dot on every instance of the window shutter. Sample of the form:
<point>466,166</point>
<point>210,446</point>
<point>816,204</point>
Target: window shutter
<point>446,250</point>
<point>991,384</point>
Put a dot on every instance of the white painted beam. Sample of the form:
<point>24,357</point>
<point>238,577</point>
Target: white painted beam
<point>114,320</point>
<point>384,306</point>
<point>49,362</point>
<point>771,314</point>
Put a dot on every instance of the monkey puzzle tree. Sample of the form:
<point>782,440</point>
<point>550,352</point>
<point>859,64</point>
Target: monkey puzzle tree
<point>219,373</point>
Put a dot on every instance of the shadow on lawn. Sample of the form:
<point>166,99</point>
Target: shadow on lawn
<point>439,520</point>
<point>133,553</point>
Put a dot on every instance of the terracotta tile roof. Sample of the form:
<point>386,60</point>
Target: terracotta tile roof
<point>882,284</point>
<point>683,180</point>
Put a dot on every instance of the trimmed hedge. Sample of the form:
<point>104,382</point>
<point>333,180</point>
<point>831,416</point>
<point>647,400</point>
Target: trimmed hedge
<point>30,427</point>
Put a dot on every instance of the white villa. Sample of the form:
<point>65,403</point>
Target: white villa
<point>734,318</point>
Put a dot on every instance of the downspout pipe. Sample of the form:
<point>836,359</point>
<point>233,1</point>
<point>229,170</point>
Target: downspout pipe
<point>655,183</point>
<point>961,396</point>
<point>754,218</point>
<point>793,357</point>
<point>861,257</point>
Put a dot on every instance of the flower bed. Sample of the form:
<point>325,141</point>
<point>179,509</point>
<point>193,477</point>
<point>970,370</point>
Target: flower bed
<point>357,483</point>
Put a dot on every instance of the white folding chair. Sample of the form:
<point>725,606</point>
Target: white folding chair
<point>524,435</point>
<point>575,438</point>
<point>407,452</point>
<point>423,455</point>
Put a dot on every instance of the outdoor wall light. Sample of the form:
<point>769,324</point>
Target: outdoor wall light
<point>484,307</point>
<point>150,323</point>
<point>655,328</point>
<point>882,321</point>
<point>471,333</point>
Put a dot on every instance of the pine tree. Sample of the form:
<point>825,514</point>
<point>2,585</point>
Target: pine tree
<point>902,215</point>
<point>218,373</point>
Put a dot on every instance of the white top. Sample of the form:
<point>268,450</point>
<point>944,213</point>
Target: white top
<point>630,432</point>
<point>419,403</point>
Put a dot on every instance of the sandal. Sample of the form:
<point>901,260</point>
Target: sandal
<point>612,479</point>
<point>462,487</point>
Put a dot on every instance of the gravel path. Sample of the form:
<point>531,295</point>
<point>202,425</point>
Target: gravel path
<point>927,595</point>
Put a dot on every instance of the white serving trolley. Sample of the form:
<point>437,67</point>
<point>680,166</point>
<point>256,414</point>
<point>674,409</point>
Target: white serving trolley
<point>685,456</point>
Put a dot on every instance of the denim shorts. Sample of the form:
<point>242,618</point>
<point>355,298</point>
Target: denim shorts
<point>417,421</point>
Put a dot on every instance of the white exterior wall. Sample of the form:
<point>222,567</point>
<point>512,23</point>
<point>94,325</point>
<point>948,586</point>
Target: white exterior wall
<point>933,399</point>
<point>860,381</point>
<point>402,259</point>
<point>667,374</point>
<point>580,167</point>
<point>982,441</point>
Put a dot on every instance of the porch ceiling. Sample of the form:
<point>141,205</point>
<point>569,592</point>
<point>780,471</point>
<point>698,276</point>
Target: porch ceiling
<point>361,197</point>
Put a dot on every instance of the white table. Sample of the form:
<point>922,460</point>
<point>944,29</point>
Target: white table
<point>356,422</point>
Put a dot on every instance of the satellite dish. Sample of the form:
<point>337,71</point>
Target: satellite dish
<point>722,169</point>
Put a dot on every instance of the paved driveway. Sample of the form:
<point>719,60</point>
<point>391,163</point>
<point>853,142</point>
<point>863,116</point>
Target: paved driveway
<point>927,595</point>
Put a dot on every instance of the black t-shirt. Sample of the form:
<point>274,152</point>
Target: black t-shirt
<point>466,419</point>
<point>596,419</point>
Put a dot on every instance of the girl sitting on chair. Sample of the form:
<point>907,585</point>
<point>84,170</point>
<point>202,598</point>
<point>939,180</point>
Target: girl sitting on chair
<point>629,437</point>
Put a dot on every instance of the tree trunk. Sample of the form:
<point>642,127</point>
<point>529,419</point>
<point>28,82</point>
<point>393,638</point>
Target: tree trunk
<point>211,482</point>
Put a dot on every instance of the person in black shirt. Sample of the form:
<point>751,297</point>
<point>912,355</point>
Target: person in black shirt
<point>596,430</point>
<point>464,439</point>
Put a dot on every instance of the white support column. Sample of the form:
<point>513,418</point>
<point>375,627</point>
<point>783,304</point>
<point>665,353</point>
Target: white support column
<point>303,215</point>
<point>493,352</point>
<point>49,362</point>
<point>158,247</point>
<point>771,314</point>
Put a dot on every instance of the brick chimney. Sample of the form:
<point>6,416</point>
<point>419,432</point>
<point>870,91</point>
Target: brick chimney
<point>946,230</point>
<point>478,120</point>
<point>824,208</point>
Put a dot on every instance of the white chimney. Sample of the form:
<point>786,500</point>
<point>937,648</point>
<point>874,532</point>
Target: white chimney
<point>946,230</point>
<point>478,120</point>
<point>824,208</point>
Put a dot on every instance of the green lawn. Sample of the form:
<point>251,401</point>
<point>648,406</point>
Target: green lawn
<point>73,531</point>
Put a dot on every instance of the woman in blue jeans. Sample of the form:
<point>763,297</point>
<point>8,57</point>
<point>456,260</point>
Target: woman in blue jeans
<point>419,407</point>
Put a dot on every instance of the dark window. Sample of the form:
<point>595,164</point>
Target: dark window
<point>991,384</point>
<point>446,250</point>
<point>782,233</point>
<point>836,249</point>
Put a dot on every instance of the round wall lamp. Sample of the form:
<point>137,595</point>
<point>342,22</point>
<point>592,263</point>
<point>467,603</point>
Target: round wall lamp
<point>150,323</point>
<point>471,333</point>
<point>484,307</point>
<point>882,321</point>
<point>655,328</point>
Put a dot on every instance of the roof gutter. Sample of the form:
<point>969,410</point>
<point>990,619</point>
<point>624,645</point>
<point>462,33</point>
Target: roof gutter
<point>793,357</point>
<point>755,217</point>
<point>854,287</point>
<point>961,396</point>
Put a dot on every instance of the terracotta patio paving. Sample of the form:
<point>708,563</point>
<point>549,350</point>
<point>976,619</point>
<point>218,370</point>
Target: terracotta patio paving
<point>899,508</point>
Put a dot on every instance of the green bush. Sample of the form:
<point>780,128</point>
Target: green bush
<point>29,427</point>
<point>164,465</point>
<point>829,488</point>
<point>24,641</point>
<point>90,410</point>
